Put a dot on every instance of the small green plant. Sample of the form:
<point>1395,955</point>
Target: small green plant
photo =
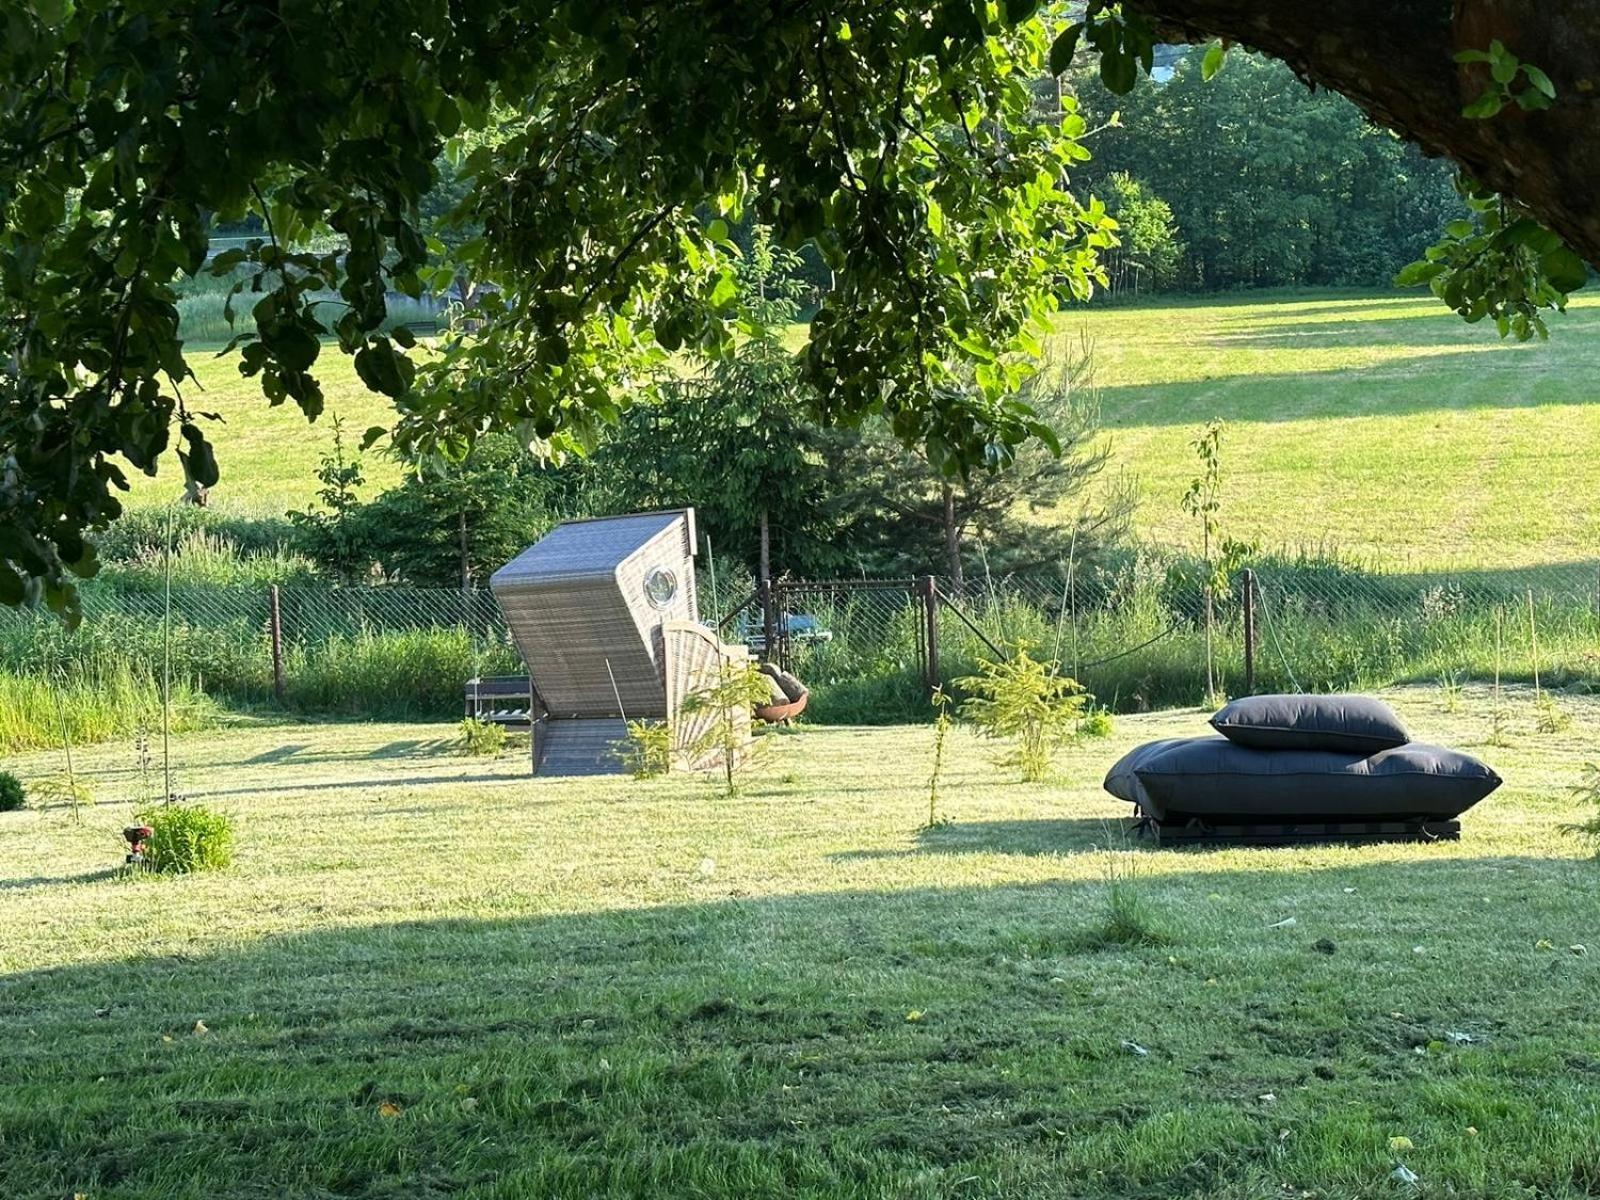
<point>1126,918</point>
<point>186,838</point>
<point>1587,792</point>
<point>12,794</point>
<point>482,739</point>
<point>66,789</point>
<point>1548,715</point>
<point>1223,556</point>
<point>1097,722</point>
<point>1499,727</point>
<point>1450,691</point>
<point>941,733</point>
<point>1510,81</point>
<point>729,738</point>
<point>646,752</point>
<point>1028,703</point>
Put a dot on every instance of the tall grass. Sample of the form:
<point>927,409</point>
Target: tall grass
<point>97,706</point>
<point>204,558</point>
<point>397,673</point>
<point>1134,636</point>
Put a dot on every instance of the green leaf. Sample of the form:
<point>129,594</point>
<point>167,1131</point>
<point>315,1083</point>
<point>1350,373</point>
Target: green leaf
<point>1216,54</point>
<point>1565,270</point>
<point>1018,11</point>
<point>725,292</point>
<point>199,461</point>
<point>382,370</point>
<point>1064,47</point>
<point>1540,80</point>
<point>1119,70</point>
<point>1484,107</point>
<point>1416,273</point>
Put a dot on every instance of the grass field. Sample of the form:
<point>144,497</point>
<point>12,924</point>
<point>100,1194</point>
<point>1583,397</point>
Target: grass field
<point>1383,427</point>
<point>430,976</point>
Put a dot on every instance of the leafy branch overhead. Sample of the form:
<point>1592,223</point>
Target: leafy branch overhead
<point>604,150</point>
<point>609,148</point>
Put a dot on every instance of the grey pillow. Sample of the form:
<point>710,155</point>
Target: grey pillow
<point>1221,782</point>
<point>1122,781</point>
<point>1358,724</point>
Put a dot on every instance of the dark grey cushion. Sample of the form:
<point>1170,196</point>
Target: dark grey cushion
<point>1225,783</point>
<point>1122,781</point>
<point>1359,724</point>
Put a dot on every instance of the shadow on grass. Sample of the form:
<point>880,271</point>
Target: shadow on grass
<point>336,785</point>
<point>859,1044</point>
<point>40,881</point>
<point>277,754</point>
<point>1361,391</point>
<point>1054,836</point>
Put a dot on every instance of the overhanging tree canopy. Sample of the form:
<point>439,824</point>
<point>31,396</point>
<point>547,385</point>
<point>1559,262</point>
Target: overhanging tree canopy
<point>610,143</point>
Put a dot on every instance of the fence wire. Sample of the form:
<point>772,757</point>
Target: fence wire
<point>1134,631</point>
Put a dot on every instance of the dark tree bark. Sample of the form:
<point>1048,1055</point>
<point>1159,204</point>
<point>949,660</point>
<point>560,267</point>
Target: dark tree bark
<point>952,542</point>
<point>1394,58</point>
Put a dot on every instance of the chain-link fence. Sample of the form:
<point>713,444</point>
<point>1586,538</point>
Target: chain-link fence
<point>1134,629</point>
<point>369,651</point>
<point>1137,633</point>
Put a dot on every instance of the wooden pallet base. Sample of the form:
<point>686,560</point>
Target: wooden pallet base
<point>1193,833</point>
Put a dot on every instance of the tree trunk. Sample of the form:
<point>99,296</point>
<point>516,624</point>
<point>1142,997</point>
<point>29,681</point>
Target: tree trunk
<point>1394,58</point>
<point>466,550</point>
<point>952,542</point>
<point>766,549</point>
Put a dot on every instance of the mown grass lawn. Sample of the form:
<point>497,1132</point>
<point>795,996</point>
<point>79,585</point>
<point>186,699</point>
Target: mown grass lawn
<point>1384,427</point>
<point>431,976</point>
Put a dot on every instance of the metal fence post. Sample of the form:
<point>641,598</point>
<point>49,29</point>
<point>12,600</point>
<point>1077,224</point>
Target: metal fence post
<point>930,601</point>
<point>275,632</point>
<point>1247,586</point>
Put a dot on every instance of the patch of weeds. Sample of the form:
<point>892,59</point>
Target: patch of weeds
<point>1098,722</point>
<point>646,753</point>
<point>482,739</point>
<point>187,837</point>
<point>1126,919</point>
<point>1450,691</point>
<point>12,795</point>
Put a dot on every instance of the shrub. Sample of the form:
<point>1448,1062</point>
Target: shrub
<point>12,795</point>
<point>188,837</point>
<point>729,741</point>
<point>1587,793</point>
<point>647,750</point>
<point>1027,702</point>
<point>64,789</point>
<point>482,739</point>
<point>1097,722</point>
